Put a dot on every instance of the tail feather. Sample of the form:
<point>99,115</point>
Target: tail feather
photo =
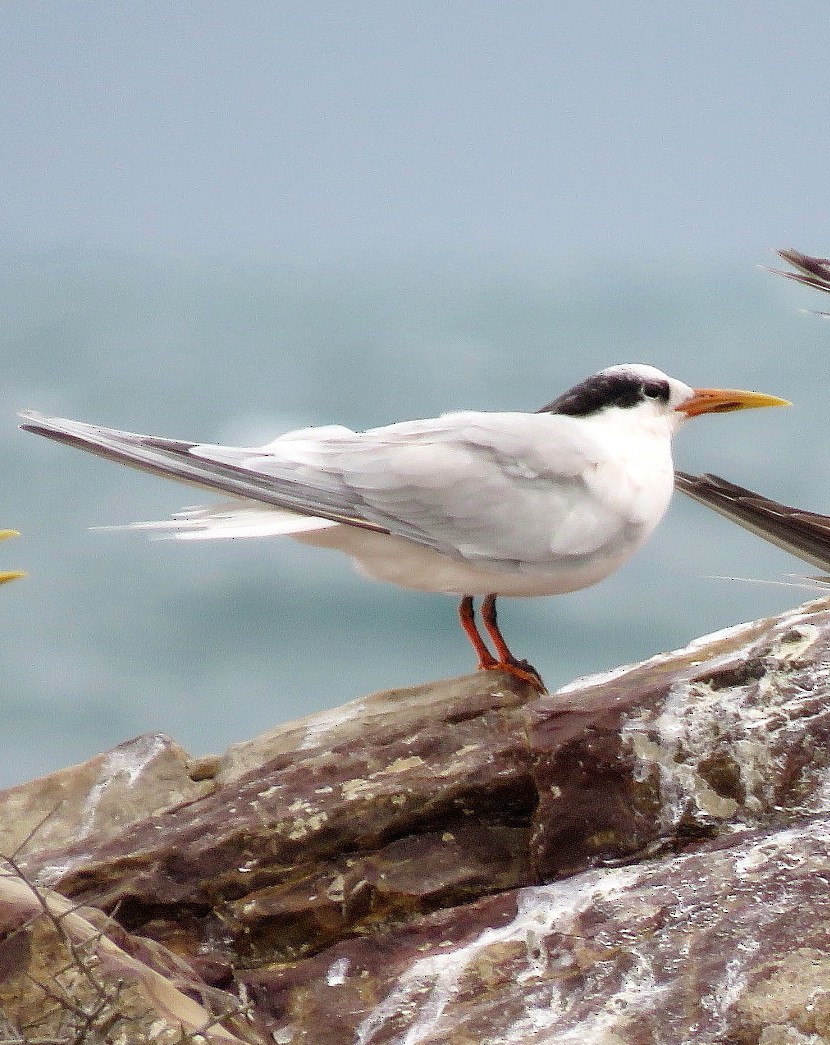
<point>228,521</point>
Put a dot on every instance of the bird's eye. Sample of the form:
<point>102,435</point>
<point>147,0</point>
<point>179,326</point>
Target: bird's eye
<point>656,390</point>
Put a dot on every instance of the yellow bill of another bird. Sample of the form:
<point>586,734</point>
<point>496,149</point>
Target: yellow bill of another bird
<point>10,575</point>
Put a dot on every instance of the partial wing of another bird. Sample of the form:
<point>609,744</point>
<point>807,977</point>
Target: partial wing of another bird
<point>812,272</point>
<point>804,534</point>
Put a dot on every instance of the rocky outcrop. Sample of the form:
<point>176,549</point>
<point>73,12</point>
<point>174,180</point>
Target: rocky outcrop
<point>640,857</point>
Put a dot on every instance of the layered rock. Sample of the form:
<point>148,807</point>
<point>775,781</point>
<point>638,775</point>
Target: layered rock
<point>639,857</point>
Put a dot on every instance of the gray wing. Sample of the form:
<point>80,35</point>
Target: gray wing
<point>456,484</point>
<point>804,534</point>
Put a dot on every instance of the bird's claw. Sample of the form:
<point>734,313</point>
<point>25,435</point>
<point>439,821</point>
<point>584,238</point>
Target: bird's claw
<point>521,670</point>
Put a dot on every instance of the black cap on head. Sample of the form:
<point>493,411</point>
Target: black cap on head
<point>617,387</point>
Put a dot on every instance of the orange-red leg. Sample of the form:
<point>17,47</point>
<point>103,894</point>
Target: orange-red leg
<point>504,659</point>
<point>488,615</point>
<point>467,616</point>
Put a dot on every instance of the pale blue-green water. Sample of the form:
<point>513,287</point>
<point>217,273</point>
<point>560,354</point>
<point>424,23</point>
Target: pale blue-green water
<point>112,635</point>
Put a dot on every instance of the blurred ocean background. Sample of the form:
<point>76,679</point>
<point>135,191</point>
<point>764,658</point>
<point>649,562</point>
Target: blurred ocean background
<point>113,635</point>
<point>222,221</point>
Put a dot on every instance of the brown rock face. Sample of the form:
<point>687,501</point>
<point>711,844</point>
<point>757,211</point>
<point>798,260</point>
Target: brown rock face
<point>640,857</point>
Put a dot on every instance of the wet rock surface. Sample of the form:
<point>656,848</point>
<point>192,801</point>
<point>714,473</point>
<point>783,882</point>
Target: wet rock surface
<point>640,857</point>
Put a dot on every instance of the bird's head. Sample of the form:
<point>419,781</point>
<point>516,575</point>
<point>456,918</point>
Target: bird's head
<point>652,394</point>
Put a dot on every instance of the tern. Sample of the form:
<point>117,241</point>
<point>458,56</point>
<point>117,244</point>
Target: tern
<point>469,503</point>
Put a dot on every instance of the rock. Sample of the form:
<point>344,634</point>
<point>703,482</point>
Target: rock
<point>727,944</point>
<point>638,857</point>
<point>96,800</point>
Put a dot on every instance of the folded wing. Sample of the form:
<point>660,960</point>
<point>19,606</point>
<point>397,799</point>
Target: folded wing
<point>456,484</point>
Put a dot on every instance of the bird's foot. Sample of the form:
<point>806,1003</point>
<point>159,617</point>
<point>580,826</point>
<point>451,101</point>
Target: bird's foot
<point>519,669</point>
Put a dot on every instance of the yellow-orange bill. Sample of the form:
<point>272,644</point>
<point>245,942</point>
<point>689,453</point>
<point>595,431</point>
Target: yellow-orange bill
<point>9,575</point>
<point>722,400</point>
